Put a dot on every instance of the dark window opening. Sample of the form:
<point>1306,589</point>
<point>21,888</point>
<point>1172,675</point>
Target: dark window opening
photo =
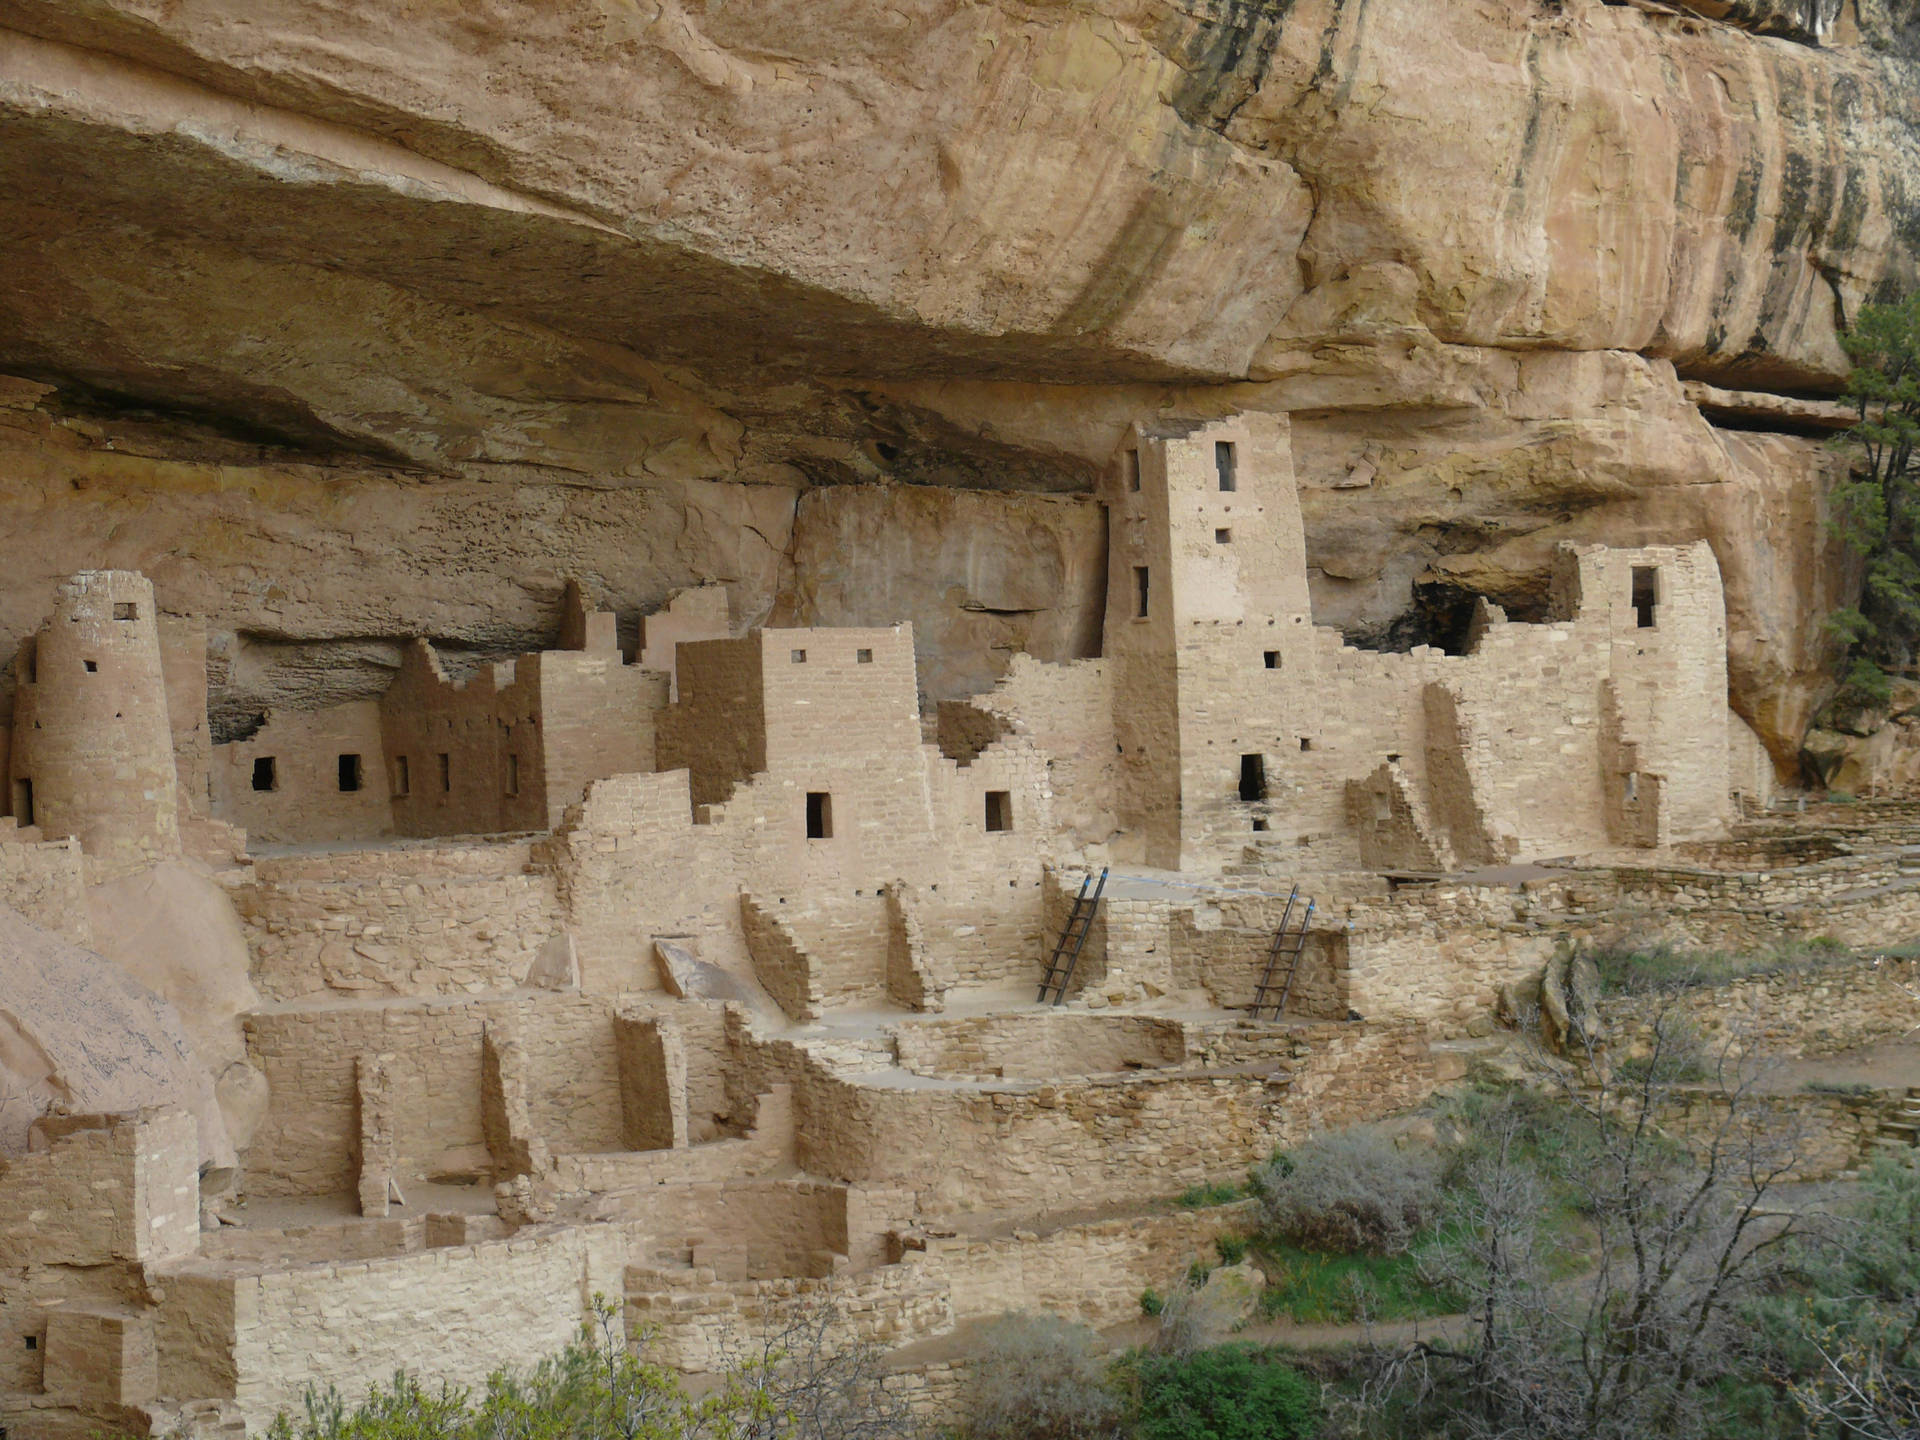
<point>33,1342</point>
<point>1253,778</point>
<point>126,610</point>
<point>265,773</point>
<point>1646,594</point>
<point>23,802</point>
<point>1272,659</point>
<point>1259,824</point>
<point>1223,537</point>
<point>999,810</point>
<point>1223,463</point>
<point>1133,470</point>
<point>402,781</point>
<point>819,815</point>
<point>446,772</point>
<point>1305,743</point>
<point>863,657</point>
<point>799,657</point>
<point>513,774</point>
<point>349,774</point>
<point>93,666</point>
<point>1140,592</point>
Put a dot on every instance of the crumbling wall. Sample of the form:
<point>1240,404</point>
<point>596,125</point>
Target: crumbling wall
<point>46,882</point>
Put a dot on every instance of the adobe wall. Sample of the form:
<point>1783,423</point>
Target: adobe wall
<point>306,1144</point>
<point>693,1318</point>
<point>395,920</point>
<point>716,731</point>
<point>91,733</point>
<point>1092,1273</point>
<point>597,718</point>
<point>1439,954</point>
<point>451,1314</point>
<point>108,1188</point>
<point>46,882</point>
<point>1066,712</point>
<point>696,613</point>
<point>1039,1045</point>
<point>183,670</point>
<point>304,803</point>
<point>456,740</point>
<point>1822,1011</point>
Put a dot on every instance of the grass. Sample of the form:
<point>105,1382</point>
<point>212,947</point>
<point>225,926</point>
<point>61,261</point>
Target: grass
<point>1200,1197</point>
<point>1628,968</point>
<point>1311,1288</point>
<point>1853,1089</point>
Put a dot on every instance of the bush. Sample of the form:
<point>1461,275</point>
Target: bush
<point>1349,1193</point>
<point>1232,1248</point>
<point>1041,1378</point>
<point>1152,1302</point>
<point>1235,1392</point>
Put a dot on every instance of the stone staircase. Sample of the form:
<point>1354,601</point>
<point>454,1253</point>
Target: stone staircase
<point>1899,1130</point>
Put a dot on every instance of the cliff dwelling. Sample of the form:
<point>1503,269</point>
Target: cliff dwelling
<point>668,665</point>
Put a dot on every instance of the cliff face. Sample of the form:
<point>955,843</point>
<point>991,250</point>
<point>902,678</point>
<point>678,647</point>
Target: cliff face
<point>351,321</point>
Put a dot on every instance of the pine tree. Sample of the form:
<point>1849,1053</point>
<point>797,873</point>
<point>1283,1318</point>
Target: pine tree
<point>1877,510</point>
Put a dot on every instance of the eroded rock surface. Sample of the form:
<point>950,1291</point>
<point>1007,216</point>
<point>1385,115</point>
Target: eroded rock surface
<point>348,323</point>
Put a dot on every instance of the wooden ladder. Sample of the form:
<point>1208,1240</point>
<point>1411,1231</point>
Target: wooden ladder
<point>1287,945</point>
<point>1066,953</point>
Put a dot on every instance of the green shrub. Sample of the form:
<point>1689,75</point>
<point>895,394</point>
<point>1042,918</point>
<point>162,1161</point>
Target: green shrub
<point>1348,1193</point>
<point>1152,1302</point>
<point>1232,1392</point>
<point>1232,1248</point>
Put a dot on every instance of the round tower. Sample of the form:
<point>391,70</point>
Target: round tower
<point>92,747</point>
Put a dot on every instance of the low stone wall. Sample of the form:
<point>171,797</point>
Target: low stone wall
<point>305,1146</point>
<point>1093,1273</point>
<point>421,919</point>
<point>450,1314</point>
<point>46,882</point>
<point>1037,1045</point>
<point>687,1317</point>
<point>1806,1136</point>
<point>1812,1012</point>
<point>1439,954</point>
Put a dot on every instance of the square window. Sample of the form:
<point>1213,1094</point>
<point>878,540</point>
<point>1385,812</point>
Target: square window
<point>999,810</point>
<point>1223,537</point>
<point>266,775</point>
<point>863,657</point>
<point>799,657</point>
<point>93,666</point>
<point>1272,659</point>
<point>1223,465</point>
<point>1140,592</point>
<point>1305,743</point>
<point>819,815</point>
<point>33,1342</point>
<point>349,774</point>
<point>126,610</point>
<point>402,781</point>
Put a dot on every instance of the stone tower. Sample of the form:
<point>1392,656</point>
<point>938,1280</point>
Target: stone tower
<point>92,748</point>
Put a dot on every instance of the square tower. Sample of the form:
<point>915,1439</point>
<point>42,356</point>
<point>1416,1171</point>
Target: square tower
<point>1208,630</point>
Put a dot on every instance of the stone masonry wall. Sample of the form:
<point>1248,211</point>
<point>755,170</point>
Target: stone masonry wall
<point>398,920</point>
<point>46,882</point>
